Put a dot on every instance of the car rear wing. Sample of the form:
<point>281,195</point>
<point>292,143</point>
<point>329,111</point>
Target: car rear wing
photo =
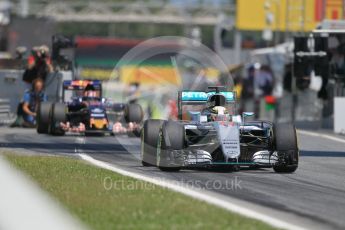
<point>81,84</point>
<point>187,97</point>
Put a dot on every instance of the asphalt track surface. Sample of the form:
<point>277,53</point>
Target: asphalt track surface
<point>313,197</point>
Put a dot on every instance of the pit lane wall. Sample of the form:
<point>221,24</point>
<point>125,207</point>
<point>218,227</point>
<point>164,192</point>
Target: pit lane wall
<point>12,87</point>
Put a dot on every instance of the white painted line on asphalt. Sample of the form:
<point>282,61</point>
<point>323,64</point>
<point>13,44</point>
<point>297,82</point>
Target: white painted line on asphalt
<point>25,206</point>
<point>197,194</point>
<point>314,134</point>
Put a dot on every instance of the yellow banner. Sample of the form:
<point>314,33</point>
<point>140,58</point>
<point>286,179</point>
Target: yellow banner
<point>152,75</point>
<point>149,75</point>
<point>286,15</point>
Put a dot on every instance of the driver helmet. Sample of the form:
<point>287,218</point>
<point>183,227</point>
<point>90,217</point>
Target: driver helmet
<point>90,91</point>
<point>216,104</point>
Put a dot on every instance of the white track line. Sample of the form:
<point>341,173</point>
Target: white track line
<point>197,194</point>
<point>313,134</point>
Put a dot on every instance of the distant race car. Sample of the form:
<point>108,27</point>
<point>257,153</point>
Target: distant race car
<point>84,110</point>
<point>209,134</point>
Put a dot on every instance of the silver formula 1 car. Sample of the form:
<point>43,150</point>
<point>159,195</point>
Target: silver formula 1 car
<point>209,134</point>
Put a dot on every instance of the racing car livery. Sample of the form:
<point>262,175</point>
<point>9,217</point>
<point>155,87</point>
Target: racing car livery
<point>84,110</point>
<point>208,133</point>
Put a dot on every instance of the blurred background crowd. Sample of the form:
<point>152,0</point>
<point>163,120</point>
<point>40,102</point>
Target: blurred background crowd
<point>253,38</point>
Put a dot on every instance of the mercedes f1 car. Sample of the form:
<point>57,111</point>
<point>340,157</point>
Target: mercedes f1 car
<point>84,110</point>
<point>209,134</point>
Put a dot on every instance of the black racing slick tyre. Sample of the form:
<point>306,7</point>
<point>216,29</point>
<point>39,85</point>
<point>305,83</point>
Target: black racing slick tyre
<point>133,113</point>
<point>149,141</point>
<point>43,115</point>
<point>171,138</point>
<point>58,115</point>
<point>286,146</point>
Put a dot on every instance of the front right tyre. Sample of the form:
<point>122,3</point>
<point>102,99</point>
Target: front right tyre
<point>43,117</point>
<point>286,147</point>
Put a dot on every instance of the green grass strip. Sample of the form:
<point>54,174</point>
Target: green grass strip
<point>126,203</point>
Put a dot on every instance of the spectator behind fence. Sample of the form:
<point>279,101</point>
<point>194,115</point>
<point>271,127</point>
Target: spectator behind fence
<point>264,82</point>
<point>31,100</point>
<point>248,84</point>
<point>263,86</point>
<point>39,64</point>
<point>247,95</point>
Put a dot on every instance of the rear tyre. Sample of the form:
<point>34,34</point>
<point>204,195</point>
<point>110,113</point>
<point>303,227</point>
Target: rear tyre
<point>149,141</point>
<point>285,140</point>
<point>42,118</point>
<point>171,138</point>
<point>133,113</point>
<point>58,115</point>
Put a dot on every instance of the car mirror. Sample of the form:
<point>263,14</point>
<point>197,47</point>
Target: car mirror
<point>248,114</point>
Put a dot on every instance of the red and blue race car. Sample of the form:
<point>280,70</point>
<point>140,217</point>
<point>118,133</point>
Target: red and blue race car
<point>84,110</point>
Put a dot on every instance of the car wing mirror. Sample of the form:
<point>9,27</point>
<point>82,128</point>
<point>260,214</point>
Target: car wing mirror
<point>246,114</point>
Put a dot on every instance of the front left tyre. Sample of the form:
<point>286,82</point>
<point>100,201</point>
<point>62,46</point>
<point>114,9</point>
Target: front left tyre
<point>170,145</point>
<point>149,141</point>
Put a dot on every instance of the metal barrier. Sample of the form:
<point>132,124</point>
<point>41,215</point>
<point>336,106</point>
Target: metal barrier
<point>5,108</point>
<point>12,89</point>
<point>6,116</point>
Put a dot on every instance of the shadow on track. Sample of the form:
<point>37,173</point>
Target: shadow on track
<point>305,153</point>
<point>54,148</point>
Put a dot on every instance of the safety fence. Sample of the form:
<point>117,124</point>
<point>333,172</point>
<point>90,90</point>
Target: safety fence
<point>12,89</point>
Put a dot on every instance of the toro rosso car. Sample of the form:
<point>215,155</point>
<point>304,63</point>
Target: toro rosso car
<point>209,134</point>
<point>84,110</point>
